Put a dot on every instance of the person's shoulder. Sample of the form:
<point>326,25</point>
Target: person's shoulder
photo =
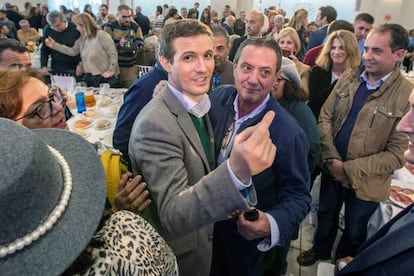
<point>222,92</point>
<point>71,25</point>
<point>317,70</point>
<point>284,123</point>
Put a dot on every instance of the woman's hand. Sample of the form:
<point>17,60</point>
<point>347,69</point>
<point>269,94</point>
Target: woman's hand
<point>79,69</point>
<point>131,194</point>
<point>106,74</point>
<point>49,42</point>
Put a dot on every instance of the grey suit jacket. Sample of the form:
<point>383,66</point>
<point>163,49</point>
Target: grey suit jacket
<point>188,196</point>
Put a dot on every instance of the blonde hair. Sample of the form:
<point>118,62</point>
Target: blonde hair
<point>289,31</point>
<point>86,21</point>
<point>296,21</point>
<point>350,46</point>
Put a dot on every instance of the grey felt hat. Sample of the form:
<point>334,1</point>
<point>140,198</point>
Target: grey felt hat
<point>289,71</point>
<point>33,182</point>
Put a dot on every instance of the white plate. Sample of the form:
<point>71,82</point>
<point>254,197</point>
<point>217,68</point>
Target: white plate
<point>88,126</point>
<point>91,114</point>
<point>105,101</point>
<point>402,185</point>
<point>82,132</point>
<point>103,124</point>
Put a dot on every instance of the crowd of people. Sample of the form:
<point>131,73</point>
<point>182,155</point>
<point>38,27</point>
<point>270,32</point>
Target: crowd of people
<point>224,137</point>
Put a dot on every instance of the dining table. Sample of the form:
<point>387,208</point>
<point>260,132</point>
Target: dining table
<point>401,196</point>
<point>97,123</point>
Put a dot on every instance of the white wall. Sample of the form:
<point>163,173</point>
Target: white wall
<point>400,11</point>
<point>390,11</point>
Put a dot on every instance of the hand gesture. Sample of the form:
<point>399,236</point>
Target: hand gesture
<point>49,42</point>
<point>131,194</point>
<point>122,42</point>
<point>253,150</point>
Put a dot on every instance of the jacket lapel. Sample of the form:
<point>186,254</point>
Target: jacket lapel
<point>186,124</point>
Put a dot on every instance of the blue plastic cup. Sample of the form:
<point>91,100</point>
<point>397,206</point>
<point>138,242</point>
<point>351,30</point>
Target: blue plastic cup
<point>80,102</point>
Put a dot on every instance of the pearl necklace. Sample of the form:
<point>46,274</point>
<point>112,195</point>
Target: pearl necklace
<point>57,212</point>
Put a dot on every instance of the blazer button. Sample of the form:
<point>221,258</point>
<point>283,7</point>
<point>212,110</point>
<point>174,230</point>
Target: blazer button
<point>210,237</point>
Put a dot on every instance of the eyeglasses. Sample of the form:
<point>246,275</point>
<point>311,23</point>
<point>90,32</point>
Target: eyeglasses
<point>126,16</point>
<point>44,109</point>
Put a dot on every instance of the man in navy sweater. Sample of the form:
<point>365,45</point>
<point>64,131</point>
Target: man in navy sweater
<point>360,145</point>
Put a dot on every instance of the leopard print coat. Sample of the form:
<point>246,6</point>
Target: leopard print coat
<point>131,247</point>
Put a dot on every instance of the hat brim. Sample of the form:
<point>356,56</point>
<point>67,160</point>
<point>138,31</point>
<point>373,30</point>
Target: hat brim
<point>55,251</point>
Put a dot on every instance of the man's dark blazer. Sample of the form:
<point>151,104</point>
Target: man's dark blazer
<point>386,253</point>
<point>316,37</point>
<point>236,44</point>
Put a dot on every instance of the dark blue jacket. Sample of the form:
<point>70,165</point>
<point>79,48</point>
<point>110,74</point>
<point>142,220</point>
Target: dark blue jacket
<point>316,37</point>
<point>137,96</point>
<point>386,253</point>
<point>283,189</point>
<point>144,22</point>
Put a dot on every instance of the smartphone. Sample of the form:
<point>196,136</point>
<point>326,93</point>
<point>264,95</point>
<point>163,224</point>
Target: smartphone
<point>57,92</point>
<point>286,53</point>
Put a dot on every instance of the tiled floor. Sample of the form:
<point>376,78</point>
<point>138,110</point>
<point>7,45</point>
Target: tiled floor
<point>305,242</point>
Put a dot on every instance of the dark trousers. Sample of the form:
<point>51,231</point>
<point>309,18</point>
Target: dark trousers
<point>357,214</point>
<point>235,256</point>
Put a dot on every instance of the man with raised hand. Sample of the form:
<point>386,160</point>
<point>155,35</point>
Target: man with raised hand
<point>172,146</point>
<point>241,246</point>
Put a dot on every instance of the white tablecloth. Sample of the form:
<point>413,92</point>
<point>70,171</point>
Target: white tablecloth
<point>105,112</point>
<point>390,208</point>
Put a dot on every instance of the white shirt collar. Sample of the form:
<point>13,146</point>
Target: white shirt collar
<point>255,111</point>
<point>198,109</point>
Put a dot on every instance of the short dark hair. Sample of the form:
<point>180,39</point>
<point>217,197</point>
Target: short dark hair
<point>329,12</point>
<point>104,6</point>
<point>124,7</point>
<point>366,17</point>
<point>340,25</point>
<point>53,16</point>
<point>220,31</point>
<point>159,9</point>
<point>180,28</point>
<point>261,42</point>
<point>13,45</point>
<point>399,35</point>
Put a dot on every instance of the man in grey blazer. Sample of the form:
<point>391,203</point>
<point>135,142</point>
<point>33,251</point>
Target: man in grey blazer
<point>172,146</point>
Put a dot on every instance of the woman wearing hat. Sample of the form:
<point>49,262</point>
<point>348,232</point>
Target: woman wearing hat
<point>52,199</point>
<point>291,97</point>
<point>25,99</point>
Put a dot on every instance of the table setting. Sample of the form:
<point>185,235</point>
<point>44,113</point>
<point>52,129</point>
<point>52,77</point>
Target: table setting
<point>401,196</point>
<point>95,112</point>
